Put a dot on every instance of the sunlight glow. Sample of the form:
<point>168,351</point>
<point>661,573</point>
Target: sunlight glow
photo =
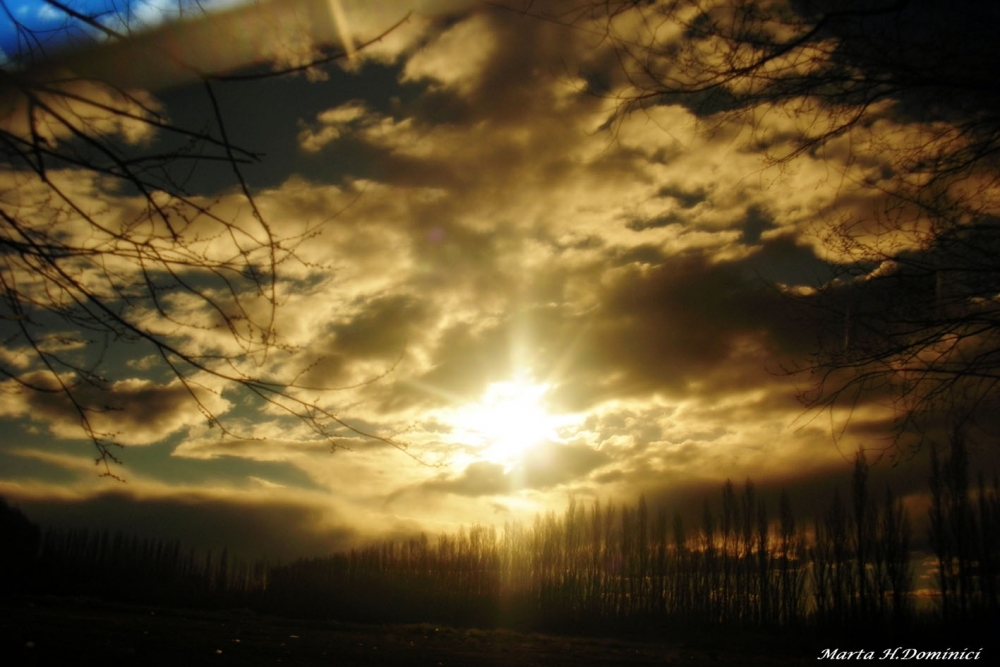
<point>508,420</point>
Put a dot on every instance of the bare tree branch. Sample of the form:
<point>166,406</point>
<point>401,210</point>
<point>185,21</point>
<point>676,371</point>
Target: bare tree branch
<point>76,261</point>
<point>912,312</point>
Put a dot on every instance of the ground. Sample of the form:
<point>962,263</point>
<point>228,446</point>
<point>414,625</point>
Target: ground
<point>56,631</point>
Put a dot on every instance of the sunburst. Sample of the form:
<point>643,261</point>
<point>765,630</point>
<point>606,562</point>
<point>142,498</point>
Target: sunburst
<point>508,420</point>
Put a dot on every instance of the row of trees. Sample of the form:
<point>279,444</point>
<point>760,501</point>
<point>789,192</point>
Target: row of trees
<point>608,564</point>
<point>964,534</point>
<point>861,557</point>
<point>741,567</point>
<point>601,565</point>
<point>125,567</point>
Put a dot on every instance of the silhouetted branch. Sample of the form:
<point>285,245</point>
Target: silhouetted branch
<point>158,270</point>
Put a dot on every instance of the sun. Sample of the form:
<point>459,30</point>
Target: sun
<point>509,419</point>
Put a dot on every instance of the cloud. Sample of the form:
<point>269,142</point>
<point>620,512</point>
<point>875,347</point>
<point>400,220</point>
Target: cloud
<point>71,107</point>
<point>478,213</point>
<point>330,125</point>
<point>263,449</point>
<point>276,528</point>
<point>542,468</point>
<point>456,57</point>
<point>131,412</point>
<point>478,479</point>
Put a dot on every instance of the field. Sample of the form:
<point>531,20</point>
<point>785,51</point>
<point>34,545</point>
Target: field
<point>56,631</point>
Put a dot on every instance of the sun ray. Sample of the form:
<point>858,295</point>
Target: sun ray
<point>343,30</point>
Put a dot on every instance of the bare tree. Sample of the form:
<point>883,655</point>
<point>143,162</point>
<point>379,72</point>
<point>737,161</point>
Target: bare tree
<point>903,94</point>
<point>103,243</point>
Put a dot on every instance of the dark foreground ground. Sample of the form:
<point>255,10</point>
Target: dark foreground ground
<point>66,632</point>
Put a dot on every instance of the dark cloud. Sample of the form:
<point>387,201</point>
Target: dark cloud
<point>686,198</point>
<point>642,424</point>
<point>755,223</point>
<point>481,478</point>
<point>782,259</point>
<point>543,467</point>
<point>668,323</point>
<point>663,327</point>
<point>665,220</point>
<point>276,529</point>
<point>553,464</point>
<point>133,411</point>
<point>382,328</point>
<point>452,255</point>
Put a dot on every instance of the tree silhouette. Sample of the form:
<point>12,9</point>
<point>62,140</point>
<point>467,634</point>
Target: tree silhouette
<point>104,243</point>
<point>902,94</point>
<point>19,550</point>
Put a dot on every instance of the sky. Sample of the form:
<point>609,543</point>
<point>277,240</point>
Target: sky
<point>534,297</point>
<point>29,23</point>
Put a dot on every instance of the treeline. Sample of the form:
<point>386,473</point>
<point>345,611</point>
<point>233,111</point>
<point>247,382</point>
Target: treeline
<point>742,565</point>
<point>129,568</point>
<point>605,565</point>
<point>964,532</point>
<point>122,567</point>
